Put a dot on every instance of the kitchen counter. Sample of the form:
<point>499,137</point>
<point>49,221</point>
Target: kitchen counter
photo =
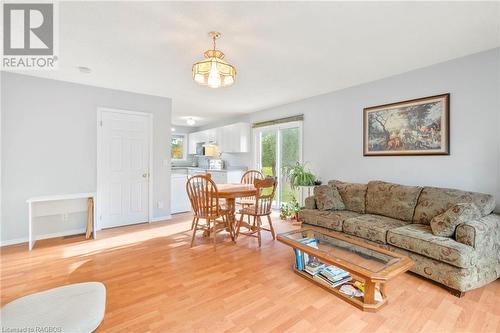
<point>180,174</point>
<point>224,176</point>
<point>198,169</point>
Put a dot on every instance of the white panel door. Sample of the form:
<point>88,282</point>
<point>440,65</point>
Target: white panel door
<point>123,183</point>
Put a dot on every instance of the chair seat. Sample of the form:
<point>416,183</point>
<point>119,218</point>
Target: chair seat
<point>250,210</point>
<point>223,209</point>
<point>72,308</point>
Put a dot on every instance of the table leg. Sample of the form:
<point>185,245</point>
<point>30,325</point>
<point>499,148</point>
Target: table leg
<point>90,217</point>
<point>369,292</point>
<point>231,205</point>
<point>383,290</point>
<point>30,226</point>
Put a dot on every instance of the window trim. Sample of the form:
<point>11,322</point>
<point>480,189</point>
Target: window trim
<point>184,146</point>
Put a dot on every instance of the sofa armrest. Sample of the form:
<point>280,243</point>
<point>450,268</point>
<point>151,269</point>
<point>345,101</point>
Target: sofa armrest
<point>310,203</point>
<point>482,232</point>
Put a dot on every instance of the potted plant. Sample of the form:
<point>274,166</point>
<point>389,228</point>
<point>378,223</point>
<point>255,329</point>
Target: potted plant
<point>290,209</point>
<point>298,176</point>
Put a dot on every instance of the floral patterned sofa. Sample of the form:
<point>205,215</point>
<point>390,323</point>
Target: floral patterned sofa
<point>398,218</point>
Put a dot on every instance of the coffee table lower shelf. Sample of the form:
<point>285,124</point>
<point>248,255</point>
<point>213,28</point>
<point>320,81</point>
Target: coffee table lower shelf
<point>356,301</point>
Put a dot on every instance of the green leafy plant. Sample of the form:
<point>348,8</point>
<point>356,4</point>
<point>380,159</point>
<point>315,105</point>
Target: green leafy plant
<point>289,209</point>
<point>298,175</point>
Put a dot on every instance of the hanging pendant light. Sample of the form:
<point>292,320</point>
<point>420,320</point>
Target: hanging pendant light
<point>213,71</point>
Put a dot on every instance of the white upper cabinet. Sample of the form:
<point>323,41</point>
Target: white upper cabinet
<point>192,140</point>
<point>234,138</point>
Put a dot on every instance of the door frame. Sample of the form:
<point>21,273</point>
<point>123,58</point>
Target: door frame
<point>149,116</point>
<point>277,128</point>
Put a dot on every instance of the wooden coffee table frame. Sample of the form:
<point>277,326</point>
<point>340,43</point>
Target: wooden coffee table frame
<point>371,279</point>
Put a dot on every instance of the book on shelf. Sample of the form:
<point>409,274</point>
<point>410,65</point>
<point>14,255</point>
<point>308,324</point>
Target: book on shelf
<point>299,260</point>
<point>303,258</point>
<point>351,290</point>
<point>330,283</point>
<point>314,267</point>
<point>333,273</point>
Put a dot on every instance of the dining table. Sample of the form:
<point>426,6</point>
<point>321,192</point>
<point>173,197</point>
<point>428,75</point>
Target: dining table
<point>230,192</point>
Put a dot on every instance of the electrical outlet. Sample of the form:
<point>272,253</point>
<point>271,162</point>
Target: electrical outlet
<point>65,216</point>
<point>159,204</point>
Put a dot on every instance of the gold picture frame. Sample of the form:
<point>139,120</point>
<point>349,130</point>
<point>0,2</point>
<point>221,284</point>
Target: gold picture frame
<point>414,127</point>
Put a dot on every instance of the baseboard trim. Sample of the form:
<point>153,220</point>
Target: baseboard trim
<point>40,237</point>
<point>161,218</point>
<point>14,241</point>
<point>62,234</point>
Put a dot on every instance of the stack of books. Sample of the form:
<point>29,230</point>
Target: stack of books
<point>334,276</point>
<point>314,267</point>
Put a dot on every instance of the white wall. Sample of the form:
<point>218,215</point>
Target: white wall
<point>333,127</point>
<point>49,143</point>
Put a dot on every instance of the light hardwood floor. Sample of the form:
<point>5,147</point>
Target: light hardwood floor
<point>156,283</point>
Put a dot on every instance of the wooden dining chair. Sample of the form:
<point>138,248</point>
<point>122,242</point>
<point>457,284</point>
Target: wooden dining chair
<point>248,178</point>
<point>204,198</point>
<point>266,188</point>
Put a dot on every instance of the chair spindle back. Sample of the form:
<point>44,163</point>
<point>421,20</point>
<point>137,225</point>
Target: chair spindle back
<point>264,199</point>
<point>203,196</point>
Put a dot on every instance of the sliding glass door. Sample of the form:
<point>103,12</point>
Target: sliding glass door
<point>278,147</point>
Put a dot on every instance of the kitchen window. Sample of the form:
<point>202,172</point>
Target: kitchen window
<point>179,146</point>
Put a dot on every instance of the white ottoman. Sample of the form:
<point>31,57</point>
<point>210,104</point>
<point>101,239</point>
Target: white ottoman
<point>73,308</point>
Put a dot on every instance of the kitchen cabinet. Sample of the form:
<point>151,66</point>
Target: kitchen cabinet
<point>192,141</point>
<point>234,138</point>
<point>179,200</point>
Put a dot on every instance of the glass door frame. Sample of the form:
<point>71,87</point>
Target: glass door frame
<point>257,158</point>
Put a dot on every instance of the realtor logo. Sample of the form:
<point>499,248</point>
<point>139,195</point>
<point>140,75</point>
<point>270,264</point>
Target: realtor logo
<point>28,40</point>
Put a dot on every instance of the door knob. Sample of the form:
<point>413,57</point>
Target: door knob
<point>145,175</point>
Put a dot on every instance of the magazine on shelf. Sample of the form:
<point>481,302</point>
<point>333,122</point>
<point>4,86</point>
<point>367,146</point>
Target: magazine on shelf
<point>332,284</point>
<point>334,274</point>
<point>314,267</point>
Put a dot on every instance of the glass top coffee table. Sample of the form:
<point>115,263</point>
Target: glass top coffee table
<point>369,267</point>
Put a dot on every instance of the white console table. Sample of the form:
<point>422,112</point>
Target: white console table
<point>91,215</point>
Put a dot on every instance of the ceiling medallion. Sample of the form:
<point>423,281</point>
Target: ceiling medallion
<point>213,71</point>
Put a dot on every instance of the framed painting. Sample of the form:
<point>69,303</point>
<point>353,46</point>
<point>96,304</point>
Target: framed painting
<point>415,127</point>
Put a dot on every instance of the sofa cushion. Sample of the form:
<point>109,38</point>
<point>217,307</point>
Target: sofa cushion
<point>445,224</point>
<point>434,201</point>
<point>353,195</point>
<point>372,227</point>
<point>328,219</point>
<point>310,202</point>
<point>310,215</point>
<point>392,200</point>
<point>328,198</point>
<point>418,238</point>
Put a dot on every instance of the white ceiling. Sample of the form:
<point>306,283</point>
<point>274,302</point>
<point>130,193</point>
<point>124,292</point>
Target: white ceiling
<point>282,51</point>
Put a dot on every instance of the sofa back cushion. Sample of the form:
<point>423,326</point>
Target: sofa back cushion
<point>353,195</point>
<point>328,198</point>
<point>435,201</point>
<point>392,200</point>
